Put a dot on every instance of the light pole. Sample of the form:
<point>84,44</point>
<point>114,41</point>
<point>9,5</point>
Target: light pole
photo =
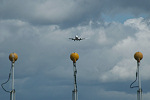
<point>138,57</point>
<point>12,57</point>
<point>74,57</point>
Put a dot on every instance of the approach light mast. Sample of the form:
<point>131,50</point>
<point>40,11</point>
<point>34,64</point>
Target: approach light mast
<point>74,57</point>
<point>12,57</point>
<point>138,57</point>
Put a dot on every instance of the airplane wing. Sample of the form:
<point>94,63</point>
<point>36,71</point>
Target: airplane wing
<point>72,39</point>
<point>81,38</point>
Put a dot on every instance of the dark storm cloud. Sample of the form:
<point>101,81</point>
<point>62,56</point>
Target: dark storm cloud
<point>68,13</point>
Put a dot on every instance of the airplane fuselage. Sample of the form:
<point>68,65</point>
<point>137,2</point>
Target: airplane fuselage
<point>76,38</point>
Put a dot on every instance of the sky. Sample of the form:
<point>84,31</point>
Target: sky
<point>38,31</point>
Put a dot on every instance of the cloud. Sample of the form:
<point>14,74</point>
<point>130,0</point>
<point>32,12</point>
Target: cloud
<point>126,49</point>
<point>116,95</point>
<point>48,11</point>
<point>146,96</point>
<point>69,13</point>
<point>44,51</point>
<point>38,32</point>
<point>121,71</point>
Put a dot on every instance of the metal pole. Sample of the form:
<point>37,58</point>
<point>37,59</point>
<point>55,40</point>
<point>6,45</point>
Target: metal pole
<point>13,89</point>
<point>75,83</point>
<point>139,92</point>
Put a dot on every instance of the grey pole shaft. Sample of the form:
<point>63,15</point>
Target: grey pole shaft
<point>13,89</point>
<point>139,92</point>
<point>75,83</point>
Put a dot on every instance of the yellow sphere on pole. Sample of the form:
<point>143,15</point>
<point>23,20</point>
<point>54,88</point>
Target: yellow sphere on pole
<point>138,56</point>
<point>74,57</point>
<point>13,57</point>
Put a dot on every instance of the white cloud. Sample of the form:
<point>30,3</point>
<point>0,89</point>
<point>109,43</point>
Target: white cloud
<point>138,23</point>
<point>124,69</point>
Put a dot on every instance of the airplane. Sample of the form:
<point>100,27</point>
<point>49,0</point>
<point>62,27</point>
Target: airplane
<point>76,38</point>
